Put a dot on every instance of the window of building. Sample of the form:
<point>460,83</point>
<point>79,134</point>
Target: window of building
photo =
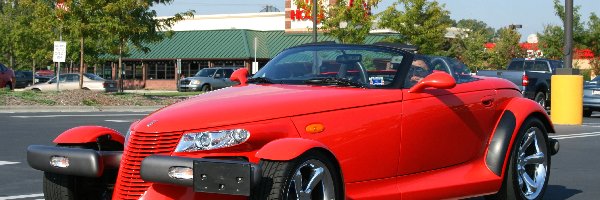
<point>139,71</point>
<point>228,63</point>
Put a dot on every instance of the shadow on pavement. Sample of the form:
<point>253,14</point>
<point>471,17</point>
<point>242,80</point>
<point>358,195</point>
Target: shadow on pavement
<point>553,192</point>
<point>559,192</point>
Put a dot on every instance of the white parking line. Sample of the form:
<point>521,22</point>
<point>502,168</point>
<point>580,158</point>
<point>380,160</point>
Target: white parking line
<point>8,163</point>
<point>576,135</point>
<point>22,196</point>
<point>118,121</point>
<point>97,115</point>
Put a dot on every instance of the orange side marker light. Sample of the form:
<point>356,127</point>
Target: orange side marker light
<point>315,128</point>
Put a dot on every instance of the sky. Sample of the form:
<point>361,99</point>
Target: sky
<point>532,14</point>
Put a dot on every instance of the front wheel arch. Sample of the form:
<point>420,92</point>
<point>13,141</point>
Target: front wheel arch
<point>511,185</point>
<point>277,175</point>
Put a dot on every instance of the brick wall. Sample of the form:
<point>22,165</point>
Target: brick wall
<point>161,84</point>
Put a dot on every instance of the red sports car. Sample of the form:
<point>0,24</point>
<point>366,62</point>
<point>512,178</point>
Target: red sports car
<point>319,121</point>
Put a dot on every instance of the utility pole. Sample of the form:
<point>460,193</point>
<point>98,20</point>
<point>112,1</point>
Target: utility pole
<point>314,19</point>
<point>568,51</point>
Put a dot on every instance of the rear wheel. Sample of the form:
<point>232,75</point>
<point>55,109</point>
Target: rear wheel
<point>528,170</point>
<point>310,176</point>
<point>540,98</point>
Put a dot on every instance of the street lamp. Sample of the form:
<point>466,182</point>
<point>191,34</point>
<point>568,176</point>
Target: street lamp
<point>515,26</point>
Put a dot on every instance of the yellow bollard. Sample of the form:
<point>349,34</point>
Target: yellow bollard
<point>567,99</point>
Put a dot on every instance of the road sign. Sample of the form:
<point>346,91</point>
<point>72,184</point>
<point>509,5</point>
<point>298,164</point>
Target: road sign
<point>60,51</point>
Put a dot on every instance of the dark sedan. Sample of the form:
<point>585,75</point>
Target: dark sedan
<point>591,96</point>
<point>25,79</point>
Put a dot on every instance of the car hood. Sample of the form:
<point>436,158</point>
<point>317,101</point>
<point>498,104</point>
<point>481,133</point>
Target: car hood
<point>243,104</point>
<point>196,78</point>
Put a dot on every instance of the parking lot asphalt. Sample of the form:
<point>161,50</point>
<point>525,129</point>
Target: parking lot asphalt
<point>574,173</point>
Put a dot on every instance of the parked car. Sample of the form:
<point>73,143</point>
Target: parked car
<point>207,79</point>
<point>319,121</point>
<point>71,82</point>
<point>44,72</point>
<point>591,96</point>
<point>531,75</point>
<point>25,79</point>
<point>7,77</point>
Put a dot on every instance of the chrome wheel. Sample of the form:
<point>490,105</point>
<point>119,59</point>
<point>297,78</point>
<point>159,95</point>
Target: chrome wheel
<point>311,180</point>
<point>532,163</point>
<point>540,98</point>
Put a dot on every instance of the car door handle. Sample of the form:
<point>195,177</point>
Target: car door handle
<point>487,101</point>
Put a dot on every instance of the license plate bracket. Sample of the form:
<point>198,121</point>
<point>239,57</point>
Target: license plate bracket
<point>222,177</point>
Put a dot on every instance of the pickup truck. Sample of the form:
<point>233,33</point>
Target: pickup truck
<point>531,75</point>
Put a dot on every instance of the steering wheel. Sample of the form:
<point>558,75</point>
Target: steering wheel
<point>362,72</point>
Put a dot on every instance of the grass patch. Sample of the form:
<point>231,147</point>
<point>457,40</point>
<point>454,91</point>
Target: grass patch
<point>28,96</point>
<point>90,102</point>
<point>173,94</point>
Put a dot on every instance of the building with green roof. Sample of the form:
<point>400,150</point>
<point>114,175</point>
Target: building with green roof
<point>199,49</point>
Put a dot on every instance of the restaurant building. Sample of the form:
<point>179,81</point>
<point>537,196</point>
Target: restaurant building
<point>233,40</point>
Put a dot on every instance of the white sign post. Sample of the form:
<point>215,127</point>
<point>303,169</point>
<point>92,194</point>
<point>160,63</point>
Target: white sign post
<point>60,55</point>
<point>60,51</point>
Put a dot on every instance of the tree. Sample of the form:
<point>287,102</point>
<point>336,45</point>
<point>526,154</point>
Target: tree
<point>507,47</point>
<point>578,25</point>
<point>419,22</point>
<point>24,27</point>
<point>593,34</point>
<point>476,26</point>
<point>34,39</point>
<point>345,21</point>
<point>551,42</point>
<point>470,49</point>
<point>132,22</point>
<point>8,26</point>
<point>349,23</point>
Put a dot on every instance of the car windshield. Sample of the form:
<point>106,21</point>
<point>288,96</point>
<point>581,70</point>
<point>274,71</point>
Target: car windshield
<point>336,65</point>
<point>93,77</point>
<point>206,73</point>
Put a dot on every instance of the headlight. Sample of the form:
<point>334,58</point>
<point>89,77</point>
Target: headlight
<point>195,82</point>
<point>211,140</point>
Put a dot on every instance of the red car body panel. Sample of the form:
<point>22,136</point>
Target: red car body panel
<point>294,147</point>
<point>87,134</point>
<point>243,104</point>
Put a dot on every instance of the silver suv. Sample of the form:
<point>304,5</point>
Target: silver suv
<point>207,79</point>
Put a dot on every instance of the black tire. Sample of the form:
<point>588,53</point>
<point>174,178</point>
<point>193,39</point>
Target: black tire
<point>587,113</point>
<point>68,187</point>
<point>540,98</point>
<point>205,88</point>
<point>511,188</point>
<point>277,177</point>
<point>58,186</point>
<point>8,86</point>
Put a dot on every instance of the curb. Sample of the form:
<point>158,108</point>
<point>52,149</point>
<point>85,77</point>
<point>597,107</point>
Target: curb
<point>24,109</point>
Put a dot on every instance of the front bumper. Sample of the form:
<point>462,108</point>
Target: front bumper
<point>82,162</point>
<point>591,103</point>
<point>184,88</point>
<point>209,175</point>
